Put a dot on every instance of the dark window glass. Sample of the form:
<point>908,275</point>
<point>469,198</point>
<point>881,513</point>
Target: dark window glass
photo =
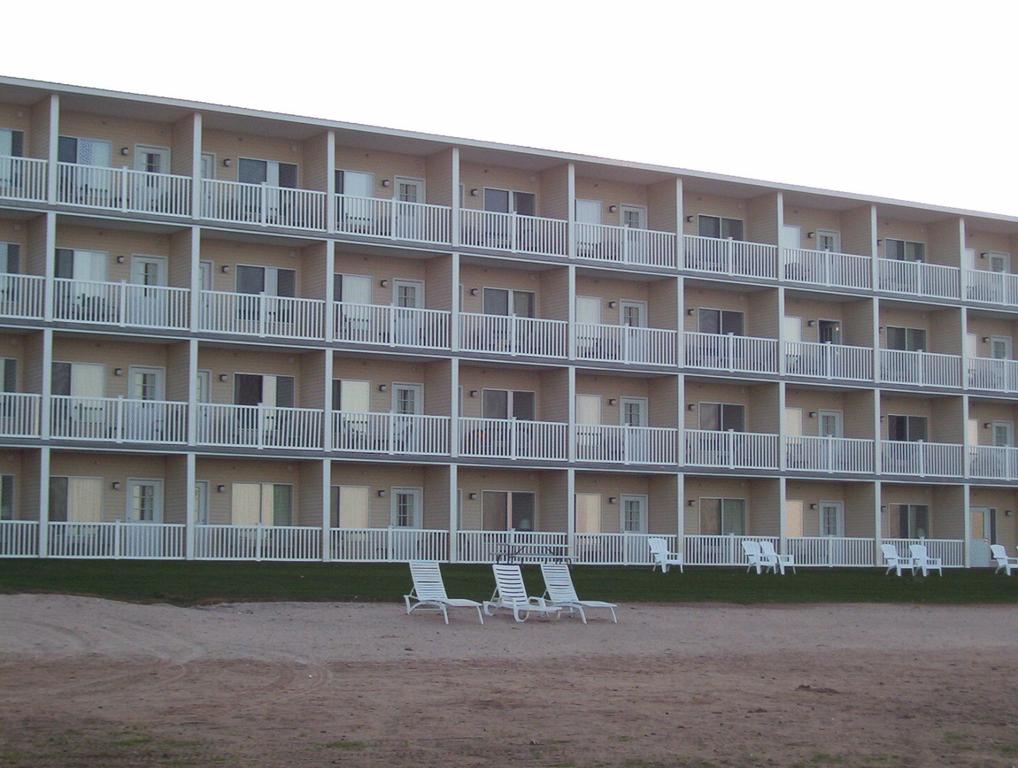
<point>58,499</point>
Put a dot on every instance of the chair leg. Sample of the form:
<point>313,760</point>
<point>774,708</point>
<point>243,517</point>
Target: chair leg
<point>445,614</point>
<point>480,615</point>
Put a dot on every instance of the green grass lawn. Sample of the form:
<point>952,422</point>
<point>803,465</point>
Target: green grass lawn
<point>188,583</point>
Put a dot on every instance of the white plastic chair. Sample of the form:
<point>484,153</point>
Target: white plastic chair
<point>770,554</point>
<point>923,561</point>
<point>895,561</point>
<point>662,557</point>
<point>1004,563</point>
<point>560,591</point>
<point>429,591</point>
<point>755,557</point>
<point>511,594</point>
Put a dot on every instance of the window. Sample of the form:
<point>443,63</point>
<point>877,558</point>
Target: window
<point>505,510</point>
<point>262,504</point>
<point>6,497</point>
<point>588,512</point>
<point>8,374</point>
<point>832,518</point>
<point>10,257</point>
<point>722,321</point>
<point>829,331</point>
<point>718,226</point>
<point>270,172</point>
<point>912,520</point>
<point>723,417</point>
<point>723,517</point>
<point>828,240</point>
<point>350,506</point>
<point>634,514</point>
<point>906,428</point>
<point>501,403</point>
<point>270,391</point>
<point>406,507</point>
<point>904,250</point>
<point>509,201</point>
<point>271,281</point>
<point>84,151</point>
<point>75,499</point>
<point>906,339</point>
<point>355,183</point>
<point>12,144</point>
<point>508,301</point>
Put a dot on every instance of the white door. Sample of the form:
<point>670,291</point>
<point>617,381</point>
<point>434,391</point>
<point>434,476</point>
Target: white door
<point>143,419</point>
<point>353,506</point>
<point>796,359</point>
<point>208,165</point>
<point>406,508</point>
<point>407,296</point>
<point>634,514</point>
<point>144,501</point>
<point>791,236</point>
<point>87,380</point>
<point>793,421</point>
<point>86,410</point>
<point>355,319</point>
<point>151,159</point>
<point>408,399</point>
<point>588,315</point>
<point>84,499</point>
<point>1000,347</point>
<point>205,275</point>
<point>201,502</point>
<point>832,518</point>
<point>246,504</point>
<point>1003,434</point>
<point>147,306</point>
<point>830,423</point>
<point>588,234</point>
<point>980,532</point>
<point>354,405</point>
<point>588,512</point>
<point>588,414</point>
<point>793,518</point>
<point>409,217</point>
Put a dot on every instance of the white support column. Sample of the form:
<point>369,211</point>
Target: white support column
<point>967,446</point>
<point>46,386</point>
<point>681,425</point>
<point>878,450</point>
<point>455,192</point>
<point>454,514</point>
<point>197,300</point>
<point>680,321</point>
<point>454,407</point>
<point>571,430</point>
<point>454,317</point>
<point>330,185</point>
<point>779,210</point>
<point>192,391</point>
<point>44,462</point>
<point>876,339</point>
<point>680,512</point>
<point>967,533</point>
<point>571,212</point>
<point>571,510</point>
<point>782,522</point>
<point>680,222</point>
<point>190,512</point>
<point>327,367</point>
<point>782,457</point>
<point>196,191</point>
<point>878,534</point>
<point>965,351</point>
<point>782,357</point>
<point>326,507</point>
<point>963,275</point>
<point>50,265</point>
<point>874,249</point>
<point>330,290</point>
<point>54,147</point>
<point>571,309</point>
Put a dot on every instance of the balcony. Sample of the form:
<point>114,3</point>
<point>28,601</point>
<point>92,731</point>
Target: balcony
<point>990,462</point>
<point>921,459</point>
<point>116,540</point>
<point>121,304</point>
<point>391,326</point>
<point>831,551</point>
<point>262,204</point>
<point>733,258</point>
<point>23,178</point>
<point>118,420</point>
<point>625,344</point>
<point>258,314</point>
<point>828,361</point>
<point>123,189</point>
<point>390,433</point>
<point>950,551</point>
<point>512,335</point>
<point>19,538</point>
<point>513,232</point>
<point>257,542</point>
<point>989,287</point>
<point>259,426</point>
<point>923,369</point>
<point>731,450</point>
<point>513,439</point>
<point>916,278</point>
<point>626,444</point>
<point>826,268</point>
<point>520,546</point>
<point>626,245</point>
<point>19,414</point>
<point>829,454</point>
<point>992,374</point>
<point>22,296</point>
<point>720,549</point>
<point>388,544</point>
<point>393,219</point>
<point>731,353</point>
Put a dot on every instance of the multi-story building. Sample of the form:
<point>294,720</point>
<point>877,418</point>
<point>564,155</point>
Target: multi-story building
<point>231,334</point>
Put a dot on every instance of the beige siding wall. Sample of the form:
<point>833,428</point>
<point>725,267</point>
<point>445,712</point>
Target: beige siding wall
<point>984,412</point>
<point>474,276</point>
<point>810,220</point>
<point>439,173</point>
<point>857,234</point>
<point>662,202</point>
<point>384,165</point>
<point>696,203</point>
<point>548,387</point>
<point>554,197</point>
<point>226,472</point>
<point>316,162</point>
<point>179,251</point>
<point>230,361</point>
<point>230,253</point>
<point>766,499</point>
<point>13,347</point>
<point>1003,500</point>
<point>381,371</point>
<point>175,489</point>
<point>763,308</point>
<point>761,495</point>
<point>943,327</point>
<point>555,401</point>
<point>856,409</point>
<point>18,117</point>
<point>609,289</point>
<point>550,514</point>
<point>610,193</point>
<point>314,272</point>
<point>36,255</point>
<point>311,382</point>
<point>555,294</point>
<point>759,308</point>
<point>900,230</point>
<point>945,243</point>
<point>855,318</point>
<point>664,401</point>
<point>664,300</point>
<point>763,219</point>
<point>115,243</point>
<point>436,497</point>
<point>474,176</point>
<point>553,501</point>
<point>120,132</point>
<point>309,510</point>
<point>384,269</point>
<point>111,468</point>
<point>948,513</point>
<point>12,463</point>
<point>858,508</point>
<point>32,371</point>
<point>763,398</point>
<point>947,424</point>
<point>178,370</point>
<point>438,388</point>
<point>438,279</point>
<point>900,405</point>
<point>31,489</point>
<point>665,504</point>
<point>985,326</point>
<point>613,485</point>
<point>182,139</point>
<point>16,231</point>
<point>112,355</point>
<point>37,137</point>
<point>229,145</point>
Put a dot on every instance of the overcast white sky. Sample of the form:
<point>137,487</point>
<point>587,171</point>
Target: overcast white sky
<point>913,100</point>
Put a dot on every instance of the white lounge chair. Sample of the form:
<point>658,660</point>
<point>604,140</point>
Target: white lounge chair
<point>429,591</point>
<point>755,557</point>
<point>923,561</point>
<point>511,595</point>
<point>1004,563</point>
<point>895,561</point>
<point>780,561</point>
<point>560,592</point>
<point>662,557</point>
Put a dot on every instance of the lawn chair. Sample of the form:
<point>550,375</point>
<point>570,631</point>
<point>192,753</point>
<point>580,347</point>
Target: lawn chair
<point>923,561</point>
<point>781,561</point>
<point>661,556</point>
<point>895,561</point>
<point>429,591</point>
<point>755,557</point>
<point>560,592</point>
<point>511,595</point>
<point>1004,563</point>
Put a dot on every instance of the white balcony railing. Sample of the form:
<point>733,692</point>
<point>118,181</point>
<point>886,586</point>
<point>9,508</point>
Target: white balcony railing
<point>259,426</point>
<point>513,439</point>
<point>625,344</point>
<point>826,268</point>
<point>831,551</point>
<point>735,258</point>
<point>150,541</point>
<point>921,458</point>
<point>626,444</point>
<point>732,450</point>
<point>390,433</point>
<point>257,542</point>
<point>22,296</point>
<point>617,548</point>
<point>513,232</point>
<point>916,278</point>
<point>719,549</point>
<point>625,245</point>
<point>258,314</point>
<point>992,373</point>
<point>993,462</point>
<point>23,178</point>
<point>991,287</point>
<point>950,551</point>
<point>828,361</point>
<point>118,419</point>
<point>924,369</point>
<point>505,334</point>
<point>19,414</point>
<point>393,219</point>
<point>19,538</point>
<point>511,546</point>
<point>728,352</point>
<point>391,326</point>
<point>123,189</point>
<point>829,454</point>
<point>121,304</point>
<point>263,204</point>
<point>388,544</point>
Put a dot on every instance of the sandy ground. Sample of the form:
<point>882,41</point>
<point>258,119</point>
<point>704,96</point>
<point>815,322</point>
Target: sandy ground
<point>87,682</point>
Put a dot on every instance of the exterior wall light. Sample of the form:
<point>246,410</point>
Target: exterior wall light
<point>225,269</point>
<point>474,192</point>
<point>227,162</point>
<point>612,401</point>
<point>611,499</point>
<point>472,496</point>
<point>810,235</point>
<point>384,283</point>
<point>223,377</point>
<point>120,259</point>
<point>612,208</point>
<point>124,151</point>
<point>116,485</point>
<point>612,304</point>
<point>386,182</point>
<point>689,219</point>
<point>220,489</point>
<point>473,291</point>
<point>812,414</point>
<point>381,493</point>
<point>118,371</point>
<point>382,387</point>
